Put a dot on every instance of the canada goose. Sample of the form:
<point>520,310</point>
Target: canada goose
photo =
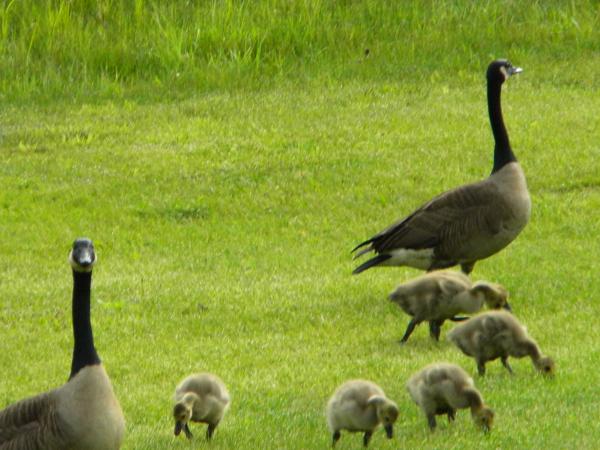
<point>84,413</point>
<point>443,388</point>
<point>468,223</point>
<point>441,295</point>
<point>360,406</point>
<point>497,334</point>
<point>201,397</point>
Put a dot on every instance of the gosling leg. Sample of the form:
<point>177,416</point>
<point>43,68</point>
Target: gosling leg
<point>505,363</point>
<point>409,329</point>
<point>451,415</point>
<point>480,367</point>
<point>435,328</point>
<point>431,421</point>
<point>210,430</point>
<point>336,437</point>
<point>188,433</point>
<point>367,438</point>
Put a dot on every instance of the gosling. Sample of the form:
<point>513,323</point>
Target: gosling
<point>443,388</point>
<point>497,334</point>
<point>360,406</point>
<point>201,397</point>
<point>439,296</point>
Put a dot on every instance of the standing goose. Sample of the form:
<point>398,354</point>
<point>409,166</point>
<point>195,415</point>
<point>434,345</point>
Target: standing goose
<point>84,413</point>
<point>468,223</point>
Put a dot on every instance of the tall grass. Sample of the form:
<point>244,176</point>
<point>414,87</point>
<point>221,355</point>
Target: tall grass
<point>68,46</point>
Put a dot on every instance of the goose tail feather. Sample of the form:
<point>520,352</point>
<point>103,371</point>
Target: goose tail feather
<point>371,263</point>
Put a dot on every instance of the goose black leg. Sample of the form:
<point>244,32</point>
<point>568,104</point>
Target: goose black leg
<point>467,268</point>
<point>188,433</point>
<point>336,437</point>
<point>367,438</point>
<point>409,329</point>
<point>505,363</point>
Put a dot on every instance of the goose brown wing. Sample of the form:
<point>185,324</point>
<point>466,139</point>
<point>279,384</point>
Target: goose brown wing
<point>446,221</point>
<point>27,424</point>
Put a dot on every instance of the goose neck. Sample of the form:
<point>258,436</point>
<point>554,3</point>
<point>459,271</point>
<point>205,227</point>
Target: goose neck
<point>503,153</point>
<point>84,352</point>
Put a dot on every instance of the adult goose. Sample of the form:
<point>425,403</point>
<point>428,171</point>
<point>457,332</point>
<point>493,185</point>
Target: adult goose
<point>468,223</point>
<point>83,413</point>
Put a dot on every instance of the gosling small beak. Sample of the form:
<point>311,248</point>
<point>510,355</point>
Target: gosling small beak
<point>178,428</point>
<point>507,307</point>
<point>389,431</point>
<point>514,70</point>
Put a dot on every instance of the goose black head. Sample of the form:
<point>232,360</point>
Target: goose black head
<point>500,70</point>
<point>82,256</point>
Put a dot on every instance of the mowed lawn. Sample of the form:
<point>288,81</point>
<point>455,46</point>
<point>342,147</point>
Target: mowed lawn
<point>223,224</point>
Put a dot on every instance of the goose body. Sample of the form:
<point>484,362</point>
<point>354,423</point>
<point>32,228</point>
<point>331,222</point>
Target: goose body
<point>468,223</point>
<point>498,334</point>
<point>360,406</point>
<point>200,397</point>
<point>443,388</point>
<point>84,413</point>
<point>441,295</point>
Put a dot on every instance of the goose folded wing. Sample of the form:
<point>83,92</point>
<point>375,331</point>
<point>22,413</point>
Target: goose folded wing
<point>25,418</point>
<point>445,221</point>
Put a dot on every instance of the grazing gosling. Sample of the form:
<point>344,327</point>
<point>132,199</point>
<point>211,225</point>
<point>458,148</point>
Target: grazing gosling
<point>439,296</point>
<point>200,397</point>
<point>497,334</point>
<point>360,406</point>
<point>443,388</point>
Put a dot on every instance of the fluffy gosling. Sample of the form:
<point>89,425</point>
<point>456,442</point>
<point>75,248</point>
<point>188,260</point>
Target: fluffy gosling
<point>360,406</point>
<point>497,334</point>
<point>201,397</point>
<point>443,388</point>
<point>439,296</point>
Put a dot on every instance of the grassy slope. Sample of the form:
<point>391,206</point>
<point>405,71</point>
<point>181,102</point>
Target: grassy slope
<point>223,223</point>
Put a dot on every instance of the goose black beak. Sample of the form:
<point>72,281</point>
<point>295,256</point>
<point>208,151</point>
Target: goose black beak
<point>178,428</point>
<point>389,431</point>
<point>507,307</point>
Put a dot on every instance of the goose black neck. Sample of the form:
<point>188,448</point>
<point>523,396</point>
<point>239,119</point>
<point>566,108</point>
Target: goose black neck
<point>84,352</point>
<point>503,153</point>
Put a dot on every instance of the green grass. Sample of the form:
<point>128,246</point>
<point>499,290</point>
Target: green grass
<point>224,211</point>
<point>107,48</point>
